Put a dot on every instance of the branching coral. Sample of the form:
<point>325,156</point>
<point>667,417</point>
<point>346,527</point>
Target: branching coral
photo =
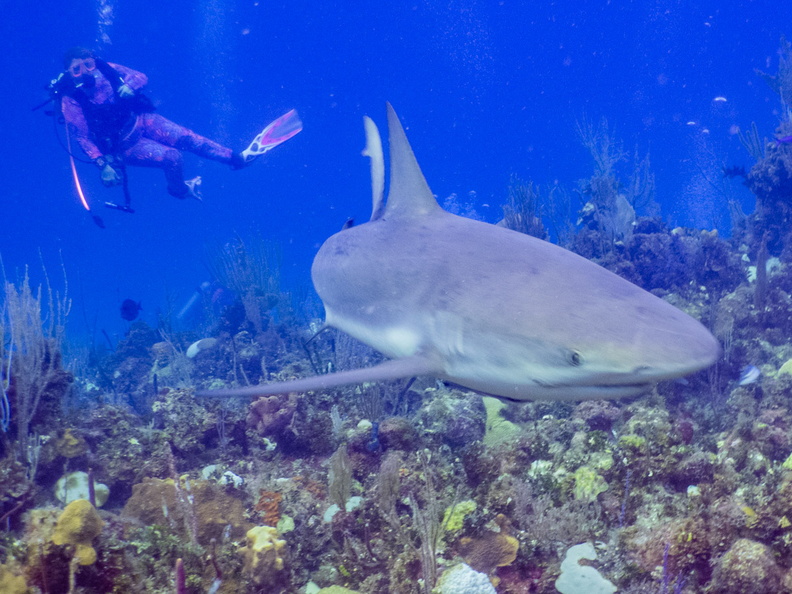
<point>781,81</point>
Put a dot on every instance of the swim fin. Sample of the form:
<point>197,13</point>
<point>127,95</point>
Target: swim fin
<point>275,133</point>
<point>121,207</point>
<point>193,188</point>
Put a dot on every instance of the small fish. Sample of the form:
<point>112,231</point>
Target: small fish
<point>130,309</point>
<point>749,375</point>
<point>784,140</point>
<point>720,99</point>
<point>200,345</point>
<point>734,171</point>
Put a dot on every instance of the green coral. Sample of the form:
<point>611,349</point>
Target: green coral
<point>633,444</point>
<point>545,476</point>
<point>499,430</point>
<point>588,484</point>
<point>454,517</point>
<point>787,465</point>
<point>155,550</point>
<point>12,581</point>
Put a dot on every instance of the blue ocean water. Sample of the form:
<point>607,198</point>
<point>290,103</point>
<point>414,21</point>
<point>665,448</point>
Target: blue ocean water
<point>486,90</point>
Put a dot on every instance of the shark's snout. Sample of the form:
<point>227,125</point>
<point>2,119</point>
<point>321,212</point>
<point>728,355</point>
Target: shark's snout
<point>693,349</point>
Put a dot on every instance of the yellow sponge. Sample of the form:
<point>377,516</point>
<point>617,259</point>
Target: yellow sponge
<point>263,554</point>
<point>78,525</point>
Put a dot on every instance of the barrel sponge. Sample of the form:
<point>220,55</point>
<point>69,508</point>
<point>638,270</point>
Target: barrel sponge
<point>78,525</point>
<point>263,554</point>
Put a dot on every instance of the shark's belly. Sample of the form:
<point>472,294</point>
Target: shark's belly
<point>401,338</point>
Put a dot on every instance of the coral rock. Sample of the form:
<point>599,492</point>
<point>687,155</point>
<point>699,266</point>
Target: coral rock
<point>74,486</point>
<point>271,415</point>
<point>488,552</point>
<point>576,578</point>
<point>71,444</point>
<point>397,433</point>
<point>462,579</point>
<point>748,567</point>
<point>599,415</point>
<point>213,507</point>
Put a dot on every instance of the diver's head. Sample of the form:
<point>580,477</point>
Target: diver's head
<point>80,63</point>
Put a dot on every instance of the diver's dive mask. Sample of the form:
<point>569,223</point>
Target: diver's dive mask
<point>83,73</point>
<point>79,67</point>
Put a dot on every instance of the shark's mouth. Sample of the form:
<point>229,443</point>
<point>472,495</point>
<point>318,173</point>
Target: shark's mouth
<point>637,379</point>
<point>597,385</point>
<point>589,391</point>
<point>565,391</point>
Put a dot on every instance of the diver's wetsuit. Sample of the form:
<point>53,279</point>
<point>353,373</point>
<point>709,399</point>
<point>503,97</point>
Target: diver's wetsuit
<point>143,139</point>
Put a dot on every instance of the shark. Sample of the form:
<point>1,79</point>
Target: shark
<point>486,307</point>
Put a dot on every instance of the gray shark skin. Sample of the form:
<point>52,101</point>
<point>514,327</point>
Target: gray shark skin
<point>488,308</point>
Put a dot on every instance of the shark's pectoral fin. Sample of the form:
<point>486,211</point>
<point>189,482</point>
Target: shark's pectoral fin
<point>389,370</point>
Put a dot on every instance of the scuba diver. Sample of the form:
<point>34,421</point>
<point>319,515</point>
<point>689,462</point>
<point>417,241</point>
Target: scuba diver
<point>115,125</point>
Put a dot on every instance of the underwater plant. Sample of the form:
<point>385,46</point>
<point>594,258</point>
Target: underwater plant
<point>252,270</point>
<point>523,211</point>
<point>32,364</point>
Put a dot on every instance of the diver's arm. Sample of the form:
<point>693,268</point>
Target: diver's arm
<point>132,78</point>
<point>78,125</point>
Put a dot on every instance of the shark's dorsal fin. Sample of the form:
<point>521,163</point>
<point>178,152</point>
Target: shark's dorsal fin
<point>373,151</point>
<point>409,194</point>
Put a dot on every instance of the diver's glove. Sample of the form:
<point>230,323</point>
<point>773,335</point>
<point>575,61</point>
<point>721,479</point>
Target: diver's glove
<point>110,177</point>
<point>125,91</point>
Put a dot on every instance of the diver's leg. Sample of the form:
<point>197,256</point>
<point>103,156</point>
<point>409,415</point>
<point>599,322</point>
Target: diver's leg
<point>163,131</point>
<point>148,153</point>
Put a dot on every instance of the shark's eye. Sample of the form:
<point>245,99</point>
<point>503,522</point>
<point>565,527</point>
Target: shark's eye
<point>575,358</point>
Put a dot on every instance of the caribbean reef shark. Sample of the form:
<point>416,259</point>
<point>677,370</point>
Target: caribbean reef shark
<point>485,307</point>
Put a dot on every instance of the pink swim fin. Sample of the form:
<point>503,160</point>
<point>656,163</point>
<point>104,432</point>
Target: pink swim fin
<point>275,133</point>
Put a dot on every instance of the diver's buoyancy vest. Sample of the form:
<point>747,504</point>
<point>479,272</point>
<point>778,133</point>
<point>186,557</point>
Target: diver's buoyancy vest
<point>109,122</point>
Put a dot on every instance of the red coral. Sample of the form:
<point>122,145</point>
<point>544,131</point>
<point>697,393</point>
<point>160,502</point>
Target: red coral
<point>269,507</point>
<point>313,487</point>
